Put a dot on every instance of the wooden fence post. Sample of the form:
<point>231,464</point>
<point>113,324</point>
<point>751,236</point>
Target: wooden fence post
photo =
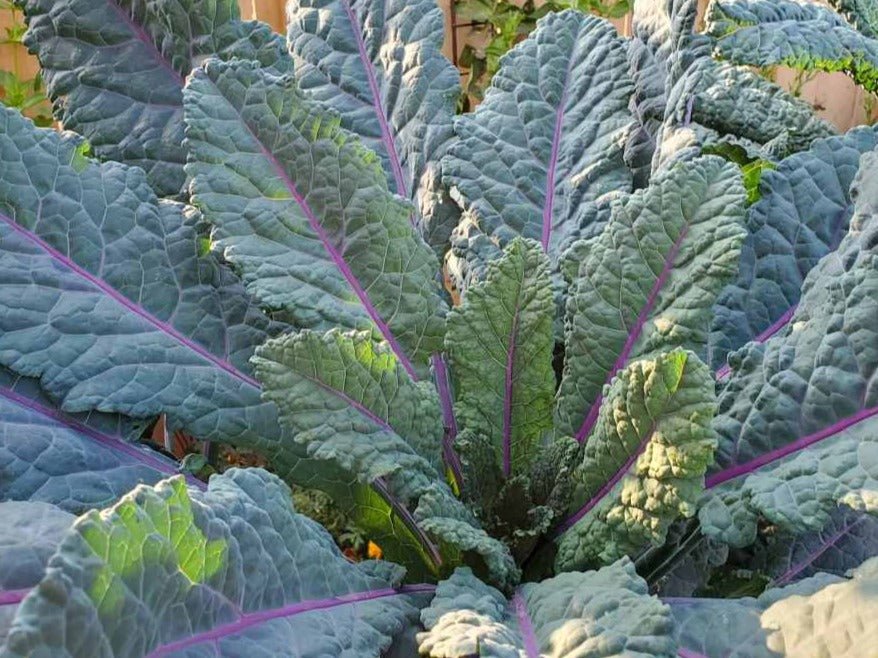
<point>267,11</point>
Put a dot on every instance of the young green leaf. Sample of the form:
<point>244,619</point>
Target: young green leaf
<point>500,344</point>
<point>644,464</point>
<point>347,398</point>
<point>648,282</point>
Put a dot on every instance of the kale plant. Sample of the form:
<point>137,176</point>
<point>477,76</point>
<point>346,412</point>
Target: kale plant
<point>645,429</point>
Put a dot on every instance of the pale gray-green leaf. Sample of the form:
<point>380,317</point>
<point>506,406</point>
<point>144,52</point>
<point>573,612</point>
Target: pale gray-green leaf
<point>379,64</point>
<point>847,540</point>
<point>798,417</point>
<point>862,14</point>
<point>604,614</point>
<point>303,210</point>
<point>802,215</point>
<point>107,301</point>
<point>660,30</point>
<point>822,616</point>
<point>116,69</point>
<point>231,572</point>
<point>802,35</point>
<point>75,461</point>
<point>552,123</point>
<point>733,100</point>
<point>108,298</point>
<point>29,534</point>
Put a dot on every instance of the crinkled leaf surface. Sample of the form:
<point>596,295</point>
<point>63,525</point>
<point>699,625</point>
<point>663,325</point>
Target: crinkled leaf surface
<point>29,534</point>
<point>551,127</point>
<point>75,461</point>
<point>380,66</point>
<point>797,420</point>
<point>347,398</point>
<point>822,616</point>
<point>230,572</point>
<point>661,29</point>
<point>664,26</point>
<point>500,344</point>
<point>604,614</point>
<point>519,510</point>
<point>303,209</point>
<point>847,540</point>
<point>106,298</point>
<point>862,14</point>
<point>802,215</point>
<point>644,463</point>
<point>116,68</point>
<point>727,100</point>
<point>649,281</point>
<point>802,35</point>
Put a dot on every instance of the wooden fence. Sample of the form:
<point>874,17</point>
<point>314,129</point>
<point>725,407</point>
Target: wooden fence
<point>834,95</point>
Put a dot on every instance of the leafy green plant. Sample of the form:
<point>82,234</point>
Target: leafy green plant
<point>658,383</point>
<point>26,95</point>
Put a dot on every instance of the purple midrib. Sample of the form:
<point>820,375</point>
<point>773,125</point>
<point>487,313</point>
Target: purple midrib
<point>776,326</point>
<point>784,319</point>
<point>608,486</point>
<point>251,619</point>
<point>634,333</point>
<point>139,311</point>
<point>690,106</point>
<point>784,451</point>
<point>452,461</point>
<point>410,522</point>
<point>142,36</point>
<point>381,115</point>
<point>360,408</point>
<point>379,484</point>
<point>525,625</point>
<point>332,251</point>
<point>13,596</point>
<point>552,170</point>
<point>115,444</point>
<point>797,568</point>
<point>507,390</point>
<point>165,328</point>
